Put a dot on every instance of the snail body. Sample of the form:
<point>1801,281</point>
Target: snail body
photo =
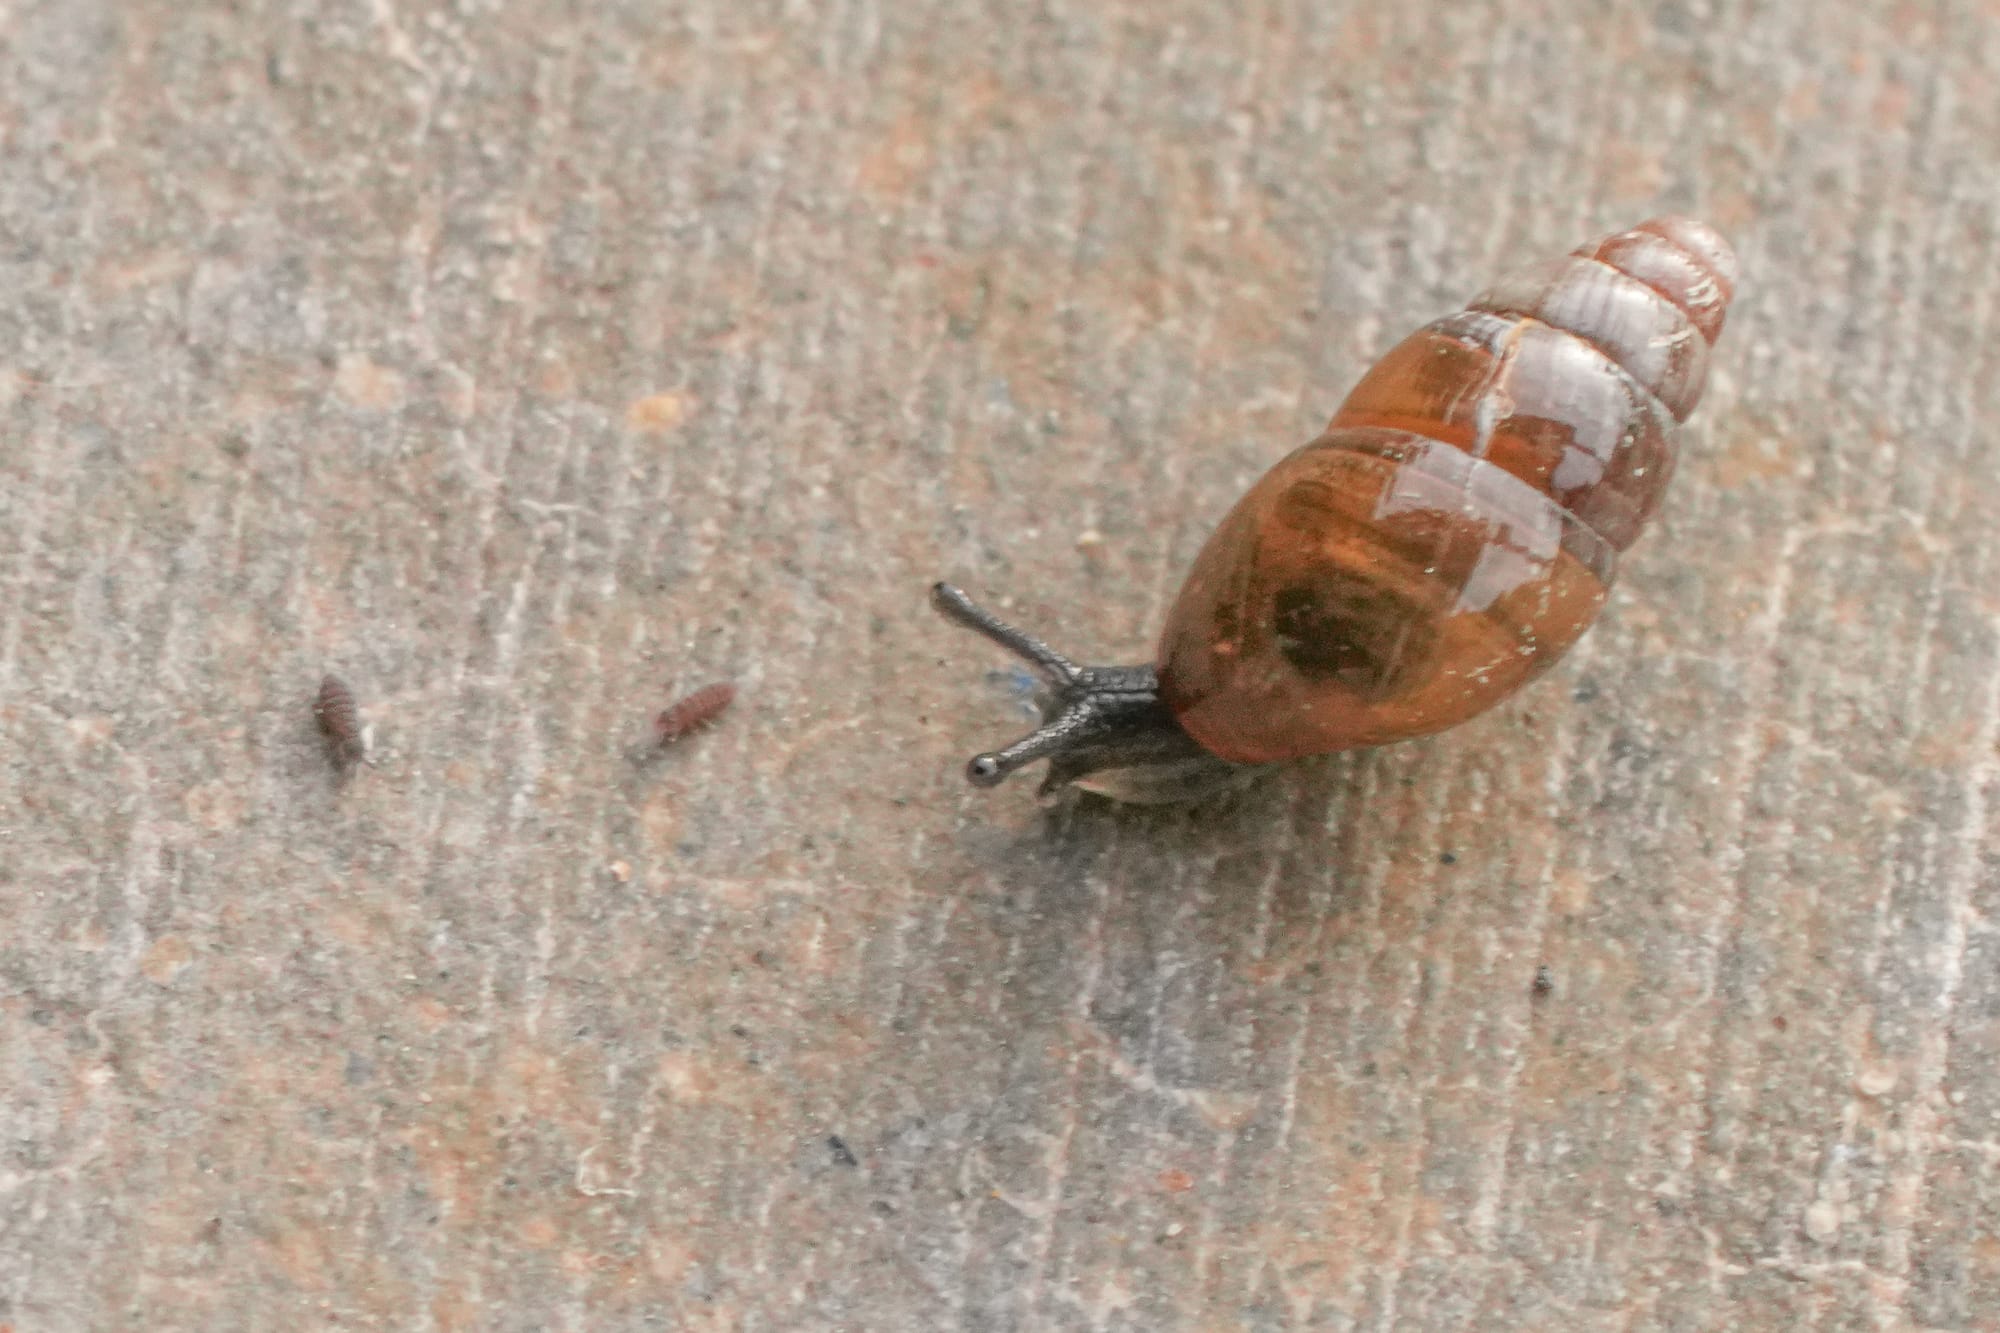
<point>1445,540</point>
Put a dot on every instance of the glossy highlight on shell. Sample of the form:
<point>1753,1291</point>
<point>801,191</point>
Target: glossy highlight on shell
<point>1456,527</point>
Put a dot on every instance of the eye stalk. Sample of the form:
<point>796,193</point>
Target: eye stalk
<point>1103,728</point>
<point>954,605</point>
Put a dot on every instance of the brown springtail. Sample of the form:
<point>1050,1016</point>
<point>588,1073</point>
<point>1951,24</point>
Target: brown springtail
<point>692,712</point>
<point>340,723</point>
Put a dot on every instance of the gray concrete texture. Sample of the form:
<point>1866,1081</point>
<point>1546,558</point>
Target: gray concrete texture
<point>527,363</point>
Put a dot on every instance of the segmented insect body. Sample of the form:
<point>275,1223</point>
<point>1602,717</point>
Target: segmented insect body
<point>340,723</point>
<point>1446,539</point>
<point>693,712</point>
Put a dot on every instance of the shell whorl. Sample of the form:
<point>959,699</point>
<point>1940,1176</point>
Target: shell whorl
<point>1651,299</point>
<point>1572,374</point>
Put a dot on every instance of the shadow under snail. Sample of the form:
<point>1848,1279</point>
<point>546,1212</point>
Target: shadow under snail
<point>1444,542</point>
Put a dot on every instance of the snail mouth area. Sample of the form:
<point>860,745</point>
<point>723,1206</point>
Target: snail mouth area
<point>1352,631</point>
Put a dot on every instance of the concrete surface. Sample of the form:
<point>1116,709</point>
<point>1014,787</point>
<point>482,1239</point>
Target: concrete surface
<point>522,363</point>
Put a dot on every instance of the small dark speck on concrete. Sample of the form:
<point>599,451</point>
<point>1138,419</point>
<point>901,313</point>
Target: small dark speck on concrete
<point>842,1155</point>
<point>1447,858</point>
<point>1545,981</point>
<point>1633,753</point>
<point>1585,691</point>
<point>1676,19</point>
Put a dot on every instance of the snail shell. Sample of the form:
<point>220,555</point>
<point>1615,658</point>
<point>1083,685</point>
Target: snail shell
<point>1456,527</point>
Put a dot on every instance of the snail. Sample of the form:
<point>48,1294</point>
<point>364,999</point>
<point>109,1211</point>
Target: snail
<point>1444,541</point>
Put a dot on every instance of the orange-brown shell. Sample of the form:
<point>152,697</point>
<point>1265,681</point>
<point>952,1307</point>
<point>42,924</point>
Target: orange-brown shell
<point>1456,527</point>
